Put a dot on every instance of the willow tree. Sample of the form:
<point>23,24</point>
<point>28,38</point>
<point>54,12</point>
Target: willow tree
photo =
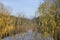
<point>6,25</point>
<point>49,19</point>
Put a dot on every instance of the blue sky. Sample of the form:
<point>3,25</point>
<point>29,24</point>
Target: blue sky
<point>28,7</point>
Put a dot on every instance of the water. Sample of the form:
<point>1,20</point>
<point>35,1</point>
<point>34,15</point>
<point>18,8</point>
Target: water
<point>28,36</point>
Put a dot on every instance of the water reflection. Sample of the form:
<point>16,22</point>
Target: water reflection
<point>28,36</point>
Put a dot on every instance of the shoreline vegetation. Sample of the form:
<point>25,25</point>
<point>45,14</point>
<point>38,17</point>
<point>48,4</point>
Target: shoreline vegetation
<point>47,24</point>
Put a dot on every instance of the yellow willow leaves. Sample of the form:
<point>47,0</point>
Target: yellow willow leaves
<point>48,24</point>
<point>52,10</point>
<point>50,18</point>
<point>8,28</point>
<point>45,34</point>
<point>6,25</point>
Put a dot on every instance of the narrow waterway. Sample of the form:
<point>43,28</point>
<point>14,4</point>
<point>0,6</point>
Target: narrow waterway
<point>28,36</point>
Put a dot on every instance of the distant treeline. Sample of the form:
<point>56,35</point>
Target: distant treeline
<point>47,23</point>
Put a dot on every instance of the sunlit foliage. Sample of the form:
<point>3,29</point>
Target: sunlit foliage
<point>12,25</point>
<point>49,18</point>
